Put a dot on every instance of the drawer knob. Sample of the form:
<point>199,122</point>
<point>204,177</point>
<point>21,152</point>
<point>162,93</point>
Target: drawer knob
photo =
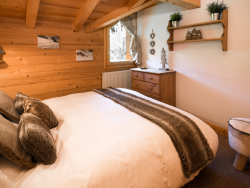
<point>136,85</point>
<point>136,75</point>
<point>150,78</point>
<point>151,88</point>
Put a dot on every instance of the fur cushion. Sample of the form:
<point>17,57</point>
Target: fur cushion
<point>19,102</point>
<point>36,139</point>
<point>7,107</point>
<point>41,110</point>
<point>10,146</point>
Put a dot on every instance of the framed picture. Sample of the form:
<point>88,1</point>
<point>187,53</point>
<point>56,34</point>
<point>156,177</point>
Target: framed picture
<point>48,42</point>
<point>84,55</point>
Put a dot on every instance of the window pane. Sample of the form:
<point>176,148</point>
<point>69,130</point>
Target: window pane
<point>119,43</point>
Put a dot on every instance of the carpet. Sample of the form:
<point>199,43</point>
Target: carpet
<point>221,173</point>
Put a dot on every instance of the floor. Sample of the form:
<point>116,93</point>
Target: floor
<point>221,173</point>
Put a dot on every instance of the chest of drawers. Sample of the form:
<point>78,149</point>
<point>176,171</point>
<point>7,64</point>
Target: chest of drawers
<point>157,84</point>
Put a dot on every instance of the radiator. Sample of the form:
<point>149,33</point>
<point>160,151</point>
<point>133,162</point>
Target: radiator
<point>120,79</point>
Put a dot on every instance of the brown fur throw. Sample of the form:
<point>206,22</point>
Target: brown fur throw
<point>19,102</point>
<point>36,139</point>
<point>10,146</point>
<point>41,110</point>
<point>191,145</point>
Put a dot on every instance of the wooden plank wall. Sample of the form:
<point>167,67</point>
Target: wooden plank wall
<point>47,73</point>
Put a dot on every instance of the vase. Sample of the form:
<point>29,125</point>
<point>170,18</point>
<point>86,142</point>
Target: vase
<point>215,16</point>
<point>175,23</point>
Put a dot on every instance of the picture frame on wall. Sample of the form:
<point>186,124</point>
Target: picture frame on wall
<point>84,55</point>
<point>48,42</point>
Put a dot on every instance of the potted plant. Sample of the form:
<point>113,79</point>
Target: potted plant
<point>175,18</point>
<point>215,9</point>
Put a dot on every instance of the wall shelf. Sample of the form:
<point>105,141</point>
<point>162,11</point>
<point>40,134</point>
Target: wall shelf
<point>223,39</point>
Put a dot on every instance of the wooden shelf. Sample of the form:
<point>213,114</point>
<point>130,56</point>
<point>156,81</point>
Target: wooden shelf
<point>223,39</point>
<point>197,24</point>
<point>200,40</point>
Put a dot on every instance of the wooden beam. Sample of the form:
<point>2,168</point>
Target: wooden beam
<point>187,4</point>
<point>84,13</point>
<point>115,16</point>
<point>135,3</point>
<point>31,13</point>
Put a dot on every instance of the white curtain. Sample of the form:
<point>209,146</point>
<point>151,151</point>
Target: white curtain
<point>135,45</point>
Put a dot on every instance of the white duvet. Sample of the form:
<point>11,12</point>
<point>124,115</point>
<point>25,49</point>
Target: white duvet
<point>101,144</point>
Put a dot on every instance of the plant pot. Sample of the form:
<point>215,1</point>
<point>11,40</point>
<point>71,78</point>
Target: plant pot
<point>175,23</point>
<point>215,16</point>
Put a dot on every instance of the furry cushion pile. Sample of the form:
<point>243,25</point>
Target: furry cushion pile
<point>7,107</point>
<point>10,146</point>
<point>19,102</point>
<point>41,110</point>
<point>36,139</point>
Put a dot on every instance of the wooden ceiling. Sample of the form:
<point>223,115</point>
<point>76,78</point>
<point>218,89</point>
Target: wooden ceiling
<point>89,14</point>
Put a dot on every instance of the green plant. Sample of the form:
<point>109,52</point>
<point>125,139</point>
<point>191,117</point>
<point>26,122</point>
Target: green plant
<point>176,16</point>
<point>216,7</point>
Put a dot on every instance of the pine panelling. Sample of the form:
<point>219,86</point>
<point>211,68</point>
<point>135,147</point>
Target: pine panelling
<point>47,87</point>
<point>54,18</point>
<point>58,10</point>
<point>45,73</point>
<point>13,4</point>
<point>5,69</point>
<point>12,13</point>
<point>65,3</point>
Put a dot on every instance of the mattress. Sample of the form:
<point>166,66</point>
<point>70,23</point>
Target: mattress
<point>101,144</point>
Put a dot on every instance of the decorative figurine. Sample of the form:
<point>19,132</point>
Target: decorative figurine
<point>199,35</point>
<point>188,36</point>
<point>194,34</point>
<point>163,59</point>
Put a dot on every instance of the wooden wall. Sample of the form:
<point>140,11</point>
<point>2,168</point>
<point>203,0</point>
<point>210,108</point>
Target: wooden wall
<point>47,73</point>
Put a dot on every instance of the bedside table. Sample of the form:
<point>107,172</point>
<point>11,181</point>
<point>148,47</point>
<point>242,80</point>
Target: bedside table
<point>154,83</point>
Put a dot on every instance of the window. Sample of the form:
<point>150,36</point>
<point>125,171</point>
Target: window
<point>117,45</point>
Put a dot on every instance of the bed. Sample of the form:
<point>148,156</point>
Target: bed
<point>102,144</point>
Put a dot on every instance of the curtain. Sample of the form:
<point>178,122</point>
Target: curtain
<point>135,45</point>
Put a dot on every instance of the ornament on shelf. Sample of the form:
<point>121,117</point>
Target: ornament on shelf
<point>194,34</point>
<point>199,35</point>
<point>188,36</point>
<point>163,59</point>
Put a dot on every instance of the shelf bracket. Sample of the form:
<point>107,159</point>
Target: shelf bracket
<point>224,36</point>
<point>171,36</point>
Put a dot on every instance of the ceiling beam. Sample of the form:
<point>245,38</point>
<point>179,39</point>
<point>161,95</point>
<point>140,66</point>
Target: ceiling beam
<point>135,3</point>
<point>187,4</point>
<point>31,13</point>
<point>84,13</point>
<point>126,11</point>
<point>115,16</point>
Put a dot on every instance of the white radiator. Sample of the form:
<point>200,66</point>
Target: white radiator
<point>120,79</point>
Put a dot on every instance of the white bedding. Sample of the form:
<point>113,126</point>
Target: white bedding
<point>101,144</point>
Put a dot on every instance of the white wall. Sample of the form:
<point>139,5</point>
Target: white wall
<point>211,84</point>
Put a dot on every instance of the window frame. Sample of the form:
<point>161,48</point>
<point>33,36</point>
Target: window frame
<point>107,63</point>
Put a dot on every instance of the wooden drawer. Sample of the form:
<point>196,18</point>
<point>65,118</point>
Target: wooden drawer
<point>152,78</point>
<point>153,96</point>
<point>137,75</point>
<point>151,88</point>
